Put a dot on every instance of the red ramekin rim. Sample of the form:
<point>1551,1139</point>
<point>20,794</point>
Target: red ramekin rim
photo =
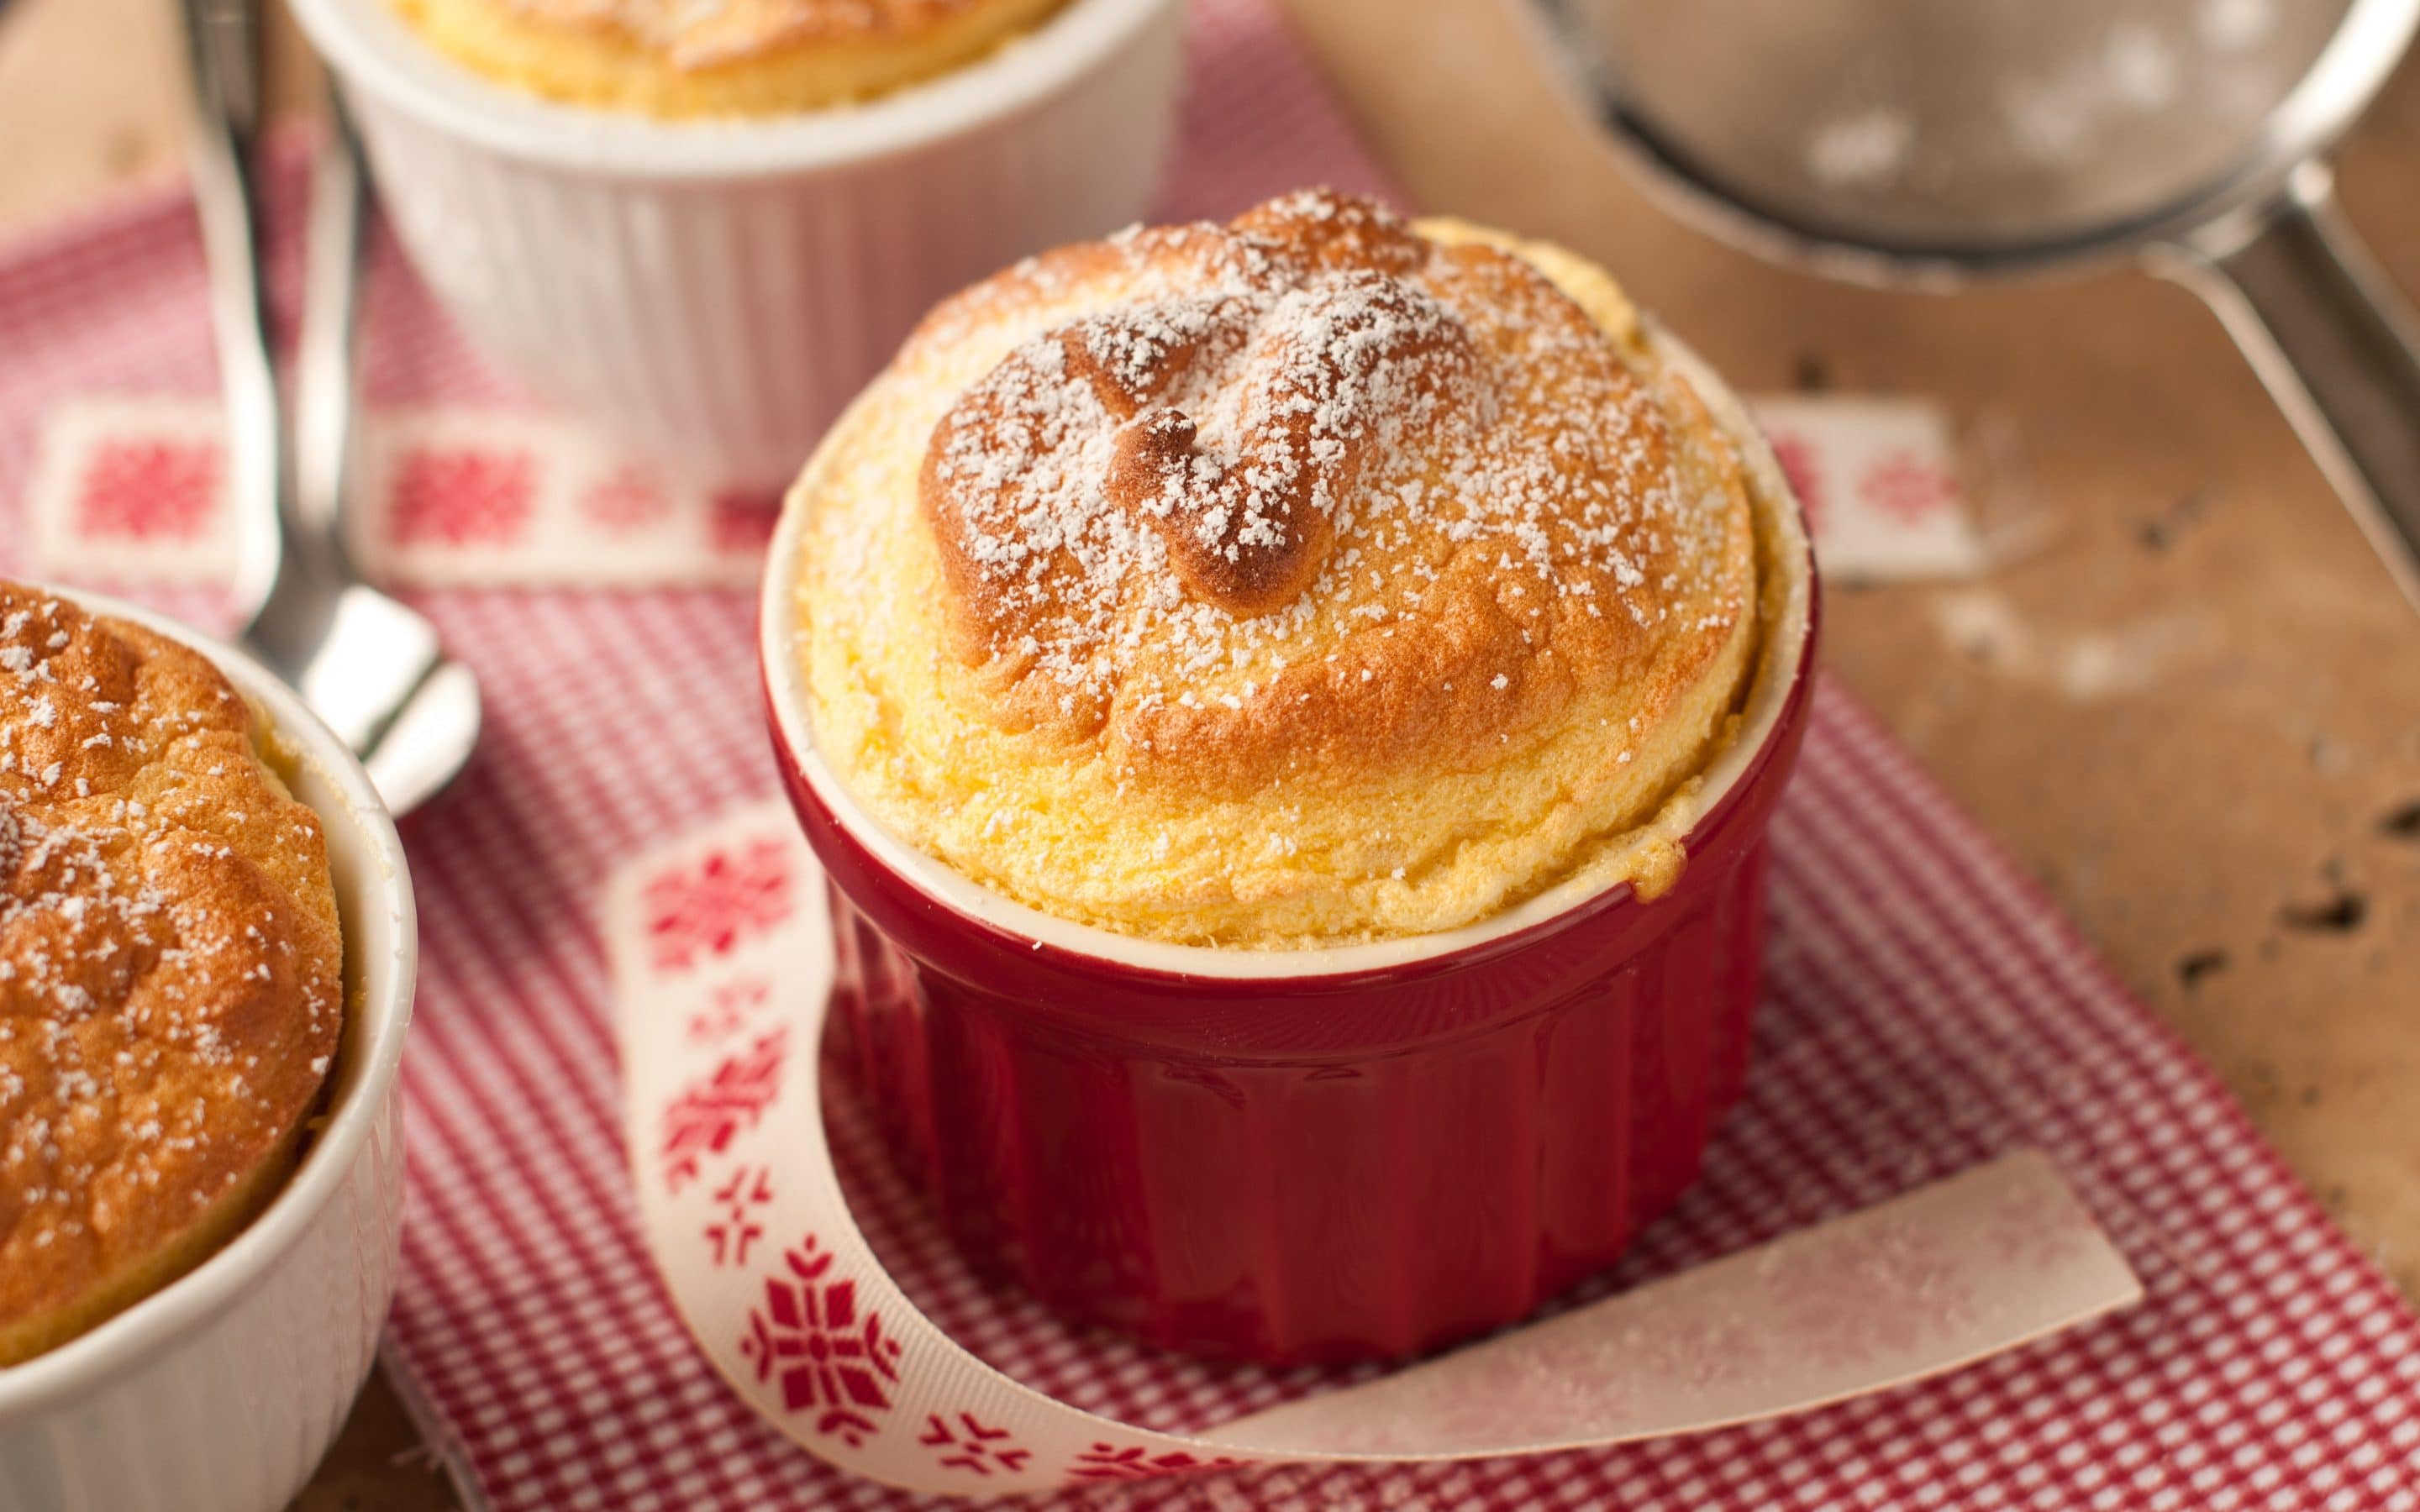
<point>1773,711</point>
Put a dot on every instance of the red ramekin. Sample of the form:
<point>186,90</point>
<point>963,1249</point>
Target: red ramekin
<point>1291,1156</point>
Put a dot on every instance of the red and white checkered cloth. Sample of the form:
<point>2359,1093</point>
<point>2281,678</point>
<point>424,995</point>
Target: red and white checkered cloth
<point>1926,1008</point>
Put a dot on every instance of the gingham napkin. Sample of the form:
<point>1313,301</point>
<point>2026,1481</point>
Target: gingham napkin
<point>1927,1009</point>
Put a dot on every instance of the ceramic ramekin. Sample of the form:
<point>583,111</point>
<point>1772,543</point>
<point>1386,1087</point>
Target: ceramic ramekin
<point>712,294</point>
<point>220,1392</point>
<point>1304,1155</point>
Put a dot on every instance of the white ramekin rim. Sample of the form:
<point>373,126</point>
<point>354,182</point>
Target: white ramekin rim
<point>374,50</point>
<point>119,1343</point>
<point>1783,664</point>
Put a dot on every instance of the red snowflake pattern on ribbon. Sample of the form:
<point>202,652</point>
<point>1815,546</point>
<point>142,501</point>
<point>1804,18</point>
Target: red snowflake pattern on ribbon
<point>703,1119</point>
<point>728,1011</point>
<point>1907,488</point>
<point>460,496</point>
<point>624,500</point>
<point>972,1446</point>
<point>147,490</point>
<point>742,523</point>
<point>1104,1463</point>
<point>710,906</point>
<point>750,1186</point>
<point>826,1355</point>
<point>1797,454</point>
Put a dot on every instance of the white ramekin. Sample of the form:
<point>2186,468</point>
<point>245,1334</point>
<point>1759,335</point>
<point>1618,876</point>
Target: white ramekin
<point>713,294</point>
<point>222,1391</point>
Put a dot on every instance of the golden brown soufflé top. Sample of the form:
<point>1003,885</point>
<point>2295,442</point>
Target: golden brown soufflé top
<point>170,966</point>
<point>675,58</point>
<point>1313,578</point>
<point>704,32</point>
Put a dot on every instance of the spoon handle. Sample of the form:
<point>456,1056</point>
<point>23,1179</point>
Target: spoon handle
<point>326,381</point>
<point>224,41</point>
<point>2338,346</point>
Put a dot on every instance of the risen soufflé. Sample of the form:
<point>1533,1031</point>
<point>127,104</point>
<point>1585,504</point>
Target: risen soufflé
<point>170,968</point>
<point>1311,579</point>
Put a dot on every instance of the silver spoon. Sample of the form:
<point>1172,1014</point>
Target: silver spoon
<point>370,667</point>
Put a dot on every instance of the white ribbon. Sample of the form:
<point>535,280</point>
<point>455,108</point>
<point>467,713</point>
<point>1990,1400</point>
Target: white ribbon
<point>723,965</point>
<point>130,490</point>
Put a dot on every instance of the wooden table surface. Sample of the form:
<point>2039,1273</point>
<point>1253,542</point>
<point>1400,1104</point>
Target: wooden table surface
<point>2190,704</point>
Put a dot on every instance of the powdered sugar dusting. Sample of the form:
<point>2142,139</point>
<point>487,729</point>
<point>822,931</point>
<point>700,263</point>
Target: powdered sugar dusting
<point>1301,424</point>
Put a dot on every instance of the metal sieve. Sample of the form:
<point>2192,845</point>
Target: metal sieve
<point>1929,143</point>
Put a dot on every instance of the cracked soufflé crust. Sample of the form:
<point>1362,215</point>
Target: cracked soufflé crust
<point>170,968</point>
<point>1313,578</point>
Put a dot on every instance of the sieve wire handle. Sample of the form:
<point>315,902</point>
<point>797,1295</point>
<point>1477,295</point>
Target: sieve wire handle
<point>2338,346</point>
